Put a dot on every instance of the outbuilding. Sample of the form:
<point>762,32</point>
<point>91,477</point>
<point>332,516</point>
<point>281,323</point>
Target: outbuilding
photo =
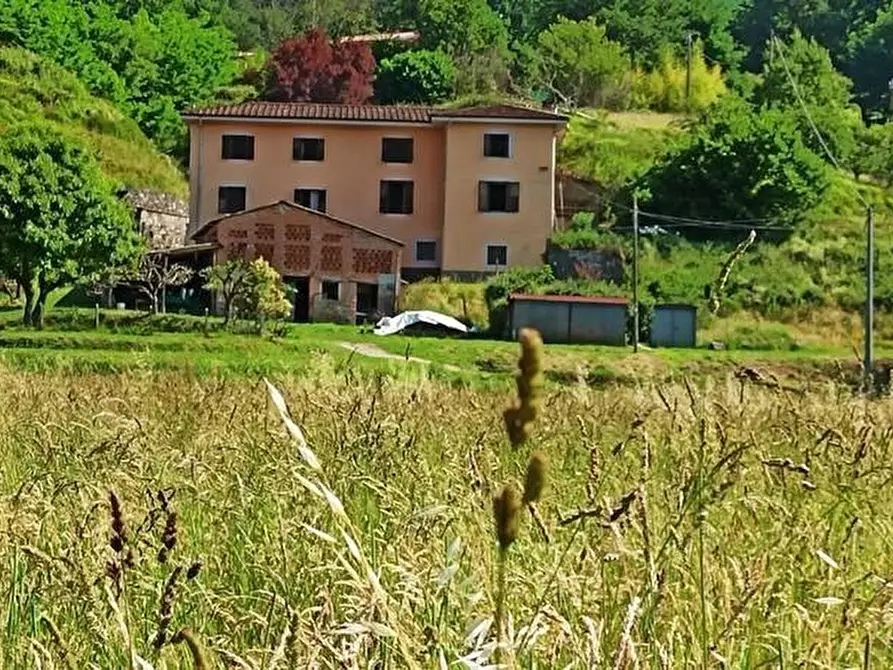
<point>338,270</point>
<point>674,326</point>
<point>570,318</point>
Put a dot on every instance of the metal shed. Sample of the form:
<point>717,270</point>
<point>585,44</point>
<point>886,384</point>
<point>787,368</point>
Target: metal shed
<point>570,318</point>
<point>674,326</point>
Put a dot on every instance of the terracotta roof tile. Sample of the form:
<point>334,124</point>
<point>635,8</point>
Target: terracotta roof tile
<point>369,113</point>
<point>316,112</point>
<point>500,112</point>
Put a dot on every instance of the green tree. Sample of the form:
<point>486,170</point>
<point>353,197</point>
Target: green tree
<point>231,281</point>
<point>60,220</point>
<point>739,163</point>
<point>871,61</point>
<point>664,88</point>
<point>415,76</point>
<point>471,33</point>
<point>265,298</point>
<point>825,94</point>
<point>579,64</point>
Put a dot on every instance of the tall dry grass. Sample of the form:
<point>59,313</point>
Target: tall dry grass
<point>725,526</point>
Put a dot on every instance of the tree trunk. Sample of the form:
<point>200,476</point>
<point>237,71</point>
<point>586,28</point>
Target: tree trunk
<point>227,309</point>
<point>28,314</point>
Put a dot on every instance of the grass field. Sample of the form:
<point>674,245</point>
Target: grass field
<point>717,525</point>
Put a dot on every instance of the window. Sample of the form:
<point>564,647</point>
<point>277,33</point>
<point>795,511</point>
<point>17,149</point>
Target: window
<point>331,290</point>
<point>498,196</point>
<point>396,149</point>
<point>395,197</point>
<point>308,149</point>
<point>497,145</point>
<point>497,254</point>
<point>426,251</point>
<point>237,147</point>
<point>312,198</point>
<point>230,199</point>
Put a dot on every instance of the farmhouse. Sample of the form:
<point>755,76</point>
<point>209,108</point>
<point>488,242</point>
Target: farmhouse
<point>338,270</point>
<point>467,192</point>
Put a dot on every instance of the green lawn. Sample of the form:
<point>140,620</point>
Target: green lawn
<point>134,341</point>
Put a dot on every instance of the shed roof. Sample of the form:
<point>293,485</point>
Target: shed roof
<point>311,111</point>
<point>200,234</point>
<point>584,299</point>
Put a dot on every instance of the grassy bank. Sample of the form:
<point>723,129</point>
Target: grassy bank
<point>723,544</point>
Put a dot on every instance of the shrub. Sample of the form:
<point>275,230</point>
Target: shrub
<point>416,76</point>
<point>579,64</point>
<point>739,163</point>
<point>313,68</point>
<point>663,89</point>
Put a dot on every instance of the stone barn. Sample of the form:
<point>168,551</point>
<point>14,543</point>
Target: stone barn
<point>339,271</point>
<point>160,217</point>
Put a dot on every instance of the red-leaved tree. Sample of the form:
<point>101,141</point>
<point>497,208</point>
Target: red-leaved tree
<point>314,69</point>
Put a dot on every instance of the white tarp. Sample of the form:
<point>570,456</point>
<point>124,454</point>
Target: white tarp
<point>394,324</point>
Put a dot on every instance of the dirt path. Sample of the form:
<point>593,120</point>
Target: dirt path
<point>374,351</point>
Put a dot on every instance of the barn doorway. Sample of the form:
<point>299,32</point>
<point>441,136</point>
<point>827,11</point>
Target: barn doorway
<point>301,288</point>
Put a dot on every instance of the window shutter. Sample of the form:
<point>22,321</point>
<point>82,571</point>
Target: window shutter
<point>483,200</point>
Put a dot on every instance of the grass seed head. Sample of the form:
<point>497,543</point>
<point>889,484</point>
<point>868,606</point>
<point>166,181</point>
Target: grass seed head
<point>199,660</point>
<point>193,570</point>
<point>519,417</point>
<point>507,515</point>
<point>169,537</point>
<point>166,609</point>
<point>535,481</point>
<point>118,539</point>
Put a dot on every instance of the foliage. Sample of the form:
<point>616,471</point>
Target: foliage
<point>232,281</point>
<point>579,64</point>
<point>664,88</point>
<point>584,234</point>
<point>874,153</point>
<point>471,34</point>
<point>151,65</point>
<point>613,150</point>
<point>739,163</point>
<point>265,297</point>
<point>155,274</point>
<point>415,76</point>
<point>823,90</point>
<point>871,61</point>
<point>462,301</point>
<point>313,68</point>
<point>253,288</point>
<point>60,220</point>
<point>34,88</point>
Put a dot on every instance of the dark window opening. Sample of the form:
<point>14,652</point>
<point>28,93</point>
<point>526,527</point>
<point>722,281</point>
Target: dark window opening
<point>498,196</point>
<point>308,149</point>
<point>497,254</point>
<point>426,250</point>
<point>331,290</point>
<point>312,198</point>
<point>238,147</point>
<point>396,149</point>
<point>396,197</point>
<point>230,199</point>
<point>497,145</point>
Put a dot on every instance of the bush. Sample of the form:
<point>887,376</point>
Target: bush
<point>663,89</point>
<point>459,300</point>
<point>739,163</point>
<point>416,76</point>
<point>761,337</point>
<point>580,65</point>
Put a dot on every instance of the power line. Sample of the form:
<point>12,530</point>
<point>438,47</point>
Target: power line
<point>812,125</point>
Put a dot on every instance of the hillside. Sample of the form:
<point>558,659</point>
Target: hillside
<point>32,88</point>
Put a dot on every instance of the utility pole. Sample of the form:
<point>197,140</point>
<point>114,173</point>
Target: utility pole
<point>688,49</point>
<point>635,273</point>
<point>869,299</point>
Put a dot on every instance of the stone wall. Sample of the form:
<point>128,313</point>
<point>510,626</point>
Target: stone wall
<point>604,263</point>
<point>160,217</point>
